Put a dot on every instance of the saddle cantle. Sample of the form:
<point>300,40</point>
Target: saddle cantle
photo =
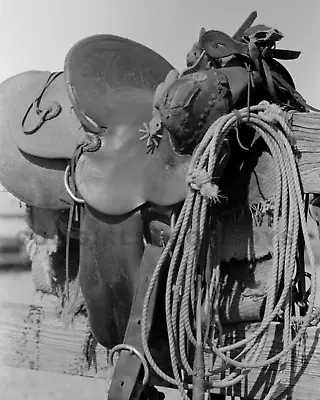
<point>106,75</point>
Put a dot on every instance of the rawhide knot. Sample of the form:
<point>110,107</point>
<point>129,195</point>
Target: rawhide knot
<point>271,113</point>
<point>200,180</point>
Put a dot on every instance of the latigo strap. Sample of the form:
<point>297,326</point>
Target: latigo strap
<point>125,383</point>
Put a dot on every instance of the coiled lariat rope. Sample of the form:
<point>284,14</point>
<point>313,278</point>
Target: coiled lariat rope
<point>192,252</point>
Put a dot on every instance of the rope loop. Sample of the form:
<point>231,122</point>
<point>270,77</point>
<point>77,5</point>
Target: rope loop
<point>192,259</point>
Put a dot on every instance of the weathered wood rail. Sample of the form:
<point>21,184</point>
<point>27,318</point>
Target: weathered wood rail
<point>31,337</point>
<point>306,128</point>
<point>22,384</point>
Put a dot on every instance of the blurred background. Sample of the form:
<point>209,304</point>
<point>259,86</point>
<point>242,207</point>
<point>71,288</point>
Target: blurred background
<point>15,268</point>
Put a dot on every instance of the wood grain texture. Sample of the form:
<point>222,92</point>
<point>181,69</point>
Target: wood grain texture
<point>32,337</point>
<point>23,384</point>
<point>302,376</point>
<point>306,129</point>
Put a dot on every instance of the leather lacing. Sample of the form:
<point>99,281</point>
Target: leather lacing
<point>44,113</point>
<point>196,276</point>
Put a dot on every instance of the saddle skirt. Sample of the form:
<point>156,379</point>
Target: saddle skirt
<point>35,180</point>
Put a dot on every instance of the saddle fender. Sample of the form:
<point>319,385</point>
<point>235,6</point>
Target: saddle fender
<point>110,257</point>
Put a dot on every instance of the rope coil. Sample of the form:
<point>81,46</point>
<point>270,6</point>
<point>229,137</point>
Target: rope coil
<point>190,234</point>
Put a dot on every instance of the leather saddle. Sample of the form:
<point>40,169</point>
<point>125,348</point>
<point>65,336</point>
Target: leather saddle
<point>104,96</point>
<point>91,115</point>
<point>107,86</point>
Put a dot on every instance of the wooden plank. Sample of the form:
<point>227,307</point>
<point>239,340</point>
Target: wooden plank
<point>306,128</point>
<point>302,377</point>
<point>22,384</point>
<point>32,337</point>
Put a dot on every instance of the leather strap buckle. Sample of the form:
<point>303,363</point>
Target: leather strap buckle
<point>126,383</point>
<point>133,351</point>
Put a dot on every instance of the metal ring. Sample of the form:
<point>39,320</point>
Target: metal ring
<point>132,350</point>
<point>68,189</point>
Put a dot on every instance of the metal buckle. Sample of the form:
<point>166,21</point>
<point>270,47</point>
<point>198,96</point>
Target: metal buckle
<point>132,350</point>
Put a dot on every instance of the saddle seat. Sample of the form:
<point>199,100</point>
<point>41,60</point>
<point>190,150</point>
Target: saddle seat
<point>29,123</point>
<point>111,83</point>
<point>121,177</point>
<point>102,70</point>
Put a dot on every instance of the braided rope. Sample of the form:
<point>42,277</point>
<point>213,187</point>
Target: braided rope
<point>183,254</point>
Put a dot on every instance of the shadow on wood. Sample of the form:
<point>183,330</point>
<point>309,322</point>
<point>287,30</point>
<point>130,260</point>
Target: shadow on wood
<point>31,337</point>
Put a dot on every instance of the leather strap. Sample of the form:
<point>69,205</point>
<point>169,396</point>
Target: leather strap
<point>125,385</point>
<point>245,25</point>
<point>211,40</point>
